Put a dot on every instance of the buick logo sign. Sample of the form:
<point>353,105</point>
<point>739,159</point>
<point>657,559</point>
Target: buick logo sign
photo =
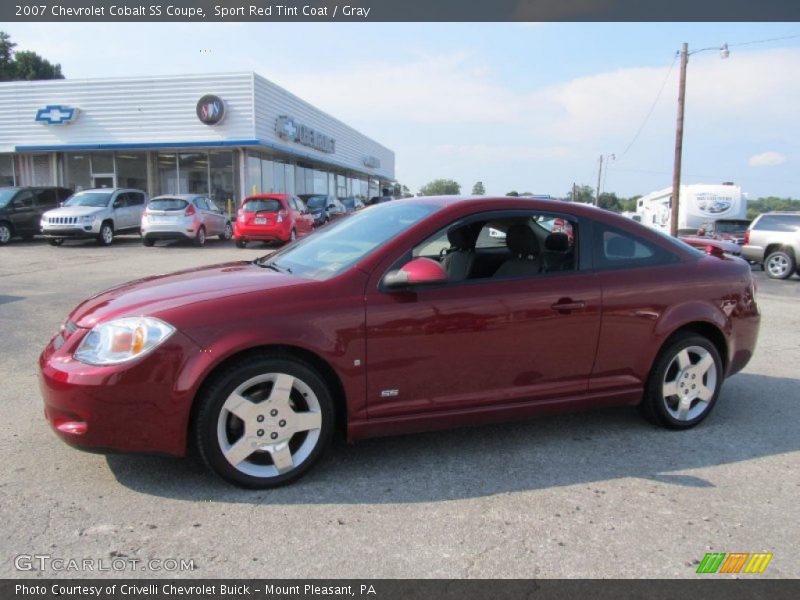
<point>210,109</point>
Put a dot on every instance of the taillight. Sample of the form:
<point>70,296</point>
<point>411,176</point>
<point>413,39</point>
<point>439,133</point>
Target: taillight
<point>747,237</point>
<point>189,211</point>
<point>241,216</point>
<point>281,215</point>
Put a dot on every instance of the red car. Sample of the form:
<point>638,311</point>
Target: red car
<point>272,218</point>
<point>403,317</point>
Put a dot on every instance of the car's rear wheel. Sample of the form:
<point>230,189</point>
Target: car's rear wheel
<point>779,265</point>
<point>200,238</point>
<point>241,243</point>
<point>55,241</point>
<point>5,233</point>
<point>264,422</point>
<point>106,235</point>
<point>227,233</point>
<point>684,383</point>
<point>149,242</point>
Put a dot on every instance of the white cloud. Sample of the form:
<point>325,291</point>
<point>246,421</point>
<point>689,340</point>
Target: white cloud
<point>767,159</point>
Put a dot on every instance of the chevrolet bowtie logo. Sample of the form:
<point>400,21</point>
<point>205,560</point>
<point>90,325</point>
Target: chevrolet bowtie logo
<point>54,114</point>
<point>286,128</point>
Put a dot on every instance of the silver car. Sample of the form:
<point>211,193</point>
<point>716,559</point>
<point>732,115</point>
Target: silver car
<point>100,214</point>
<point>773,240</point>
<point>184,217</point>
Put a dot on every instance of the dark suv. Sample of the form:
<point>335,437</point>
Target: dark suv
<point>773,240</point>
<point>21,209</point>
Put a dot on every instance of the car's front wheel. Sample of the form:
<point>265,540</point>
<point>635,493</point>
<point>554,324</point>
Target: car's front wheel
<point>264,422</point>
<point>5,233</point>
<point>241,243</point>
<point>684,383</point>
<point>779,265</point>
<point>55,241</point>
<point>106,235</point>
<point>227,233</point>
<point>200,238</point>
<point>149,242</point>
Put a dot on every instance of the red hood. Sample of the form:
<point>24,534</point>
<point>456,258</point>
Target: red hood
<point>163,292</point>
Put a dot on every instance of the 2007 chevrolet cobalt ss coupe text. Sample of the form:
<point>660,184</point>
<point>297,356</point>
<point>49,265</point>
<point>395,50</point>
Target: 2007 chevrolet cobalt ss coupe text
<point>411,315</point>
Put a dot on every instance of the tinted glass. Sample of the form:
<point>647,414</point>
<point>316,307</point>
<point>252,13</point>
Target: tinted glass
<point>46,198</point>
<point>97,199</point>
<point>24,199</point>
<point>614,248</point>
<point>167,204</point>
<point>335,248</point>
<point>135,199</point>
<point>349,203</point>
<point>252,206</point>
<point>316,202</point>
<point>778,223</point>
<point>731,226</point>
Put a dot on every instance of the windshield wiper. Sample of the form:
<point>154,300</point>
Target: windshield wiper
<point>274,266</point>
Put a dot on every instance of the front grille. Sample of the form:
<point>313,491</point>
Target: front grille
<point>62,220</point>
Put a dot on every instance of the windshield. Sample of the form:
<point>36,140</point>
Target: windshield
<point>316,202</point>
<point>335,248</point>
<point>96,199</point>
<point>253,206</point>
<point>167,204</point>
<point>731,226</point>
<point>6,194</point>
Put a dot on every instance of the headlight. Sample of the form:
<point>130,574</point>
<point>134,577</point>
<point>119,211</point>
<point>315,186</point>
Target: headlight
<point>86,219</point>
<point>122,340</point>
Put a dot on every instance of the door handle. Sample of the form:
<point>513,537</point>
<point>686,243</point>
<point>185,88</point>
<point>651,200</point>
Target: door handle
<point>567,305</point>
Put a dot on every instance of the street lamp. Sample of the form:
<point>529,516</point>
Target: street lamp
<point>676,173</point>
<point>607,157</point>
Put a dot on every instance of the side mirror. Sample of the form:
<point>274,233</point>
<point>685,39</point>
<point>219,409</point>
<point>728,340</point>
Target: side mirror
<point>420,271</point>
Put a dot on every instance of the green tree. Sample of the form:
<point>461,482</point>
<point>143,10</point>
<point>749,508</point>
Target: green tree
<point>441,187</point>
<point>514,193</point>
<point>24,65</point>
<point>609,201</point>
<point>582,193</point>
<point>478,189</point>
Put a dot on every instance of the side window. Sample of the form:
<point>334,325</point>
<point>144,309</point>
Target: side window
<point>135,199</point>
<point>200,203</point>
<point>614,248</point>
<point>783,223</point>
<point>63,194</point>
<point>24,199</point>
<point>121,201</point>
<point>301,206</point>
<point>46,198</point>
<point>432,247</point>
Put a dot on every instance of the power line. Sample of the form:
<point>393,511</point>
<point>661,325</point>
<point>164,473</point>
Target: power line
<point>777,39</point>
<point>652,108</point>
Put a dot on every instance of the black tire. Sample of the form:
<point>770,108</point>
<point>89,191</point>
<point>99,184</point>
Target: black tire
<point>241,243</point>
<point>200,239</point>
<point>149,242</point>
<point>779,264</point>
<point>654,406</point>
<point>6,233</point>
<point>55,241</point>
<point>106,235</point>
<point>304,443</point>
<point>228,232</point>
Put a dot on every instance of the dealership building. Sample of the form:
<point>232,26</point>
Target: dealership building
<point>225,135</point>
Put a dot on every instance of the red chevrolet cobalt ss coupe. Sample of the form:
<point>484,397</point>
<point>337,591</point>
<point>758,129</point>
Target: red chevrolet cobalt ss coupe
<point>412,315</point>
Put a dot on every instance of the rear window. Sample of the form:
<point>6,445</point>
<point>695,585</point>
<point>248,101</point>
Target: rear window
<point>252,206</point>
<point>316,201</point>
<point>168,204</point>
<point>778,223</point>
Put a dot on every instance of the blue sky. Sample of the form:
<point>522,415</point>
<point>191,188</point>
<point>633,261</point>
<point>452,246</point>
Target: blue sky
<point>528,107</point>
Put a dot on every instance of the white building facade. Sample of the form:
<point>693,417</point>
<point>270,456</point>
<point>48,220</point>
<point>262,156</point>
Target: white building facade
<point>225,135</point>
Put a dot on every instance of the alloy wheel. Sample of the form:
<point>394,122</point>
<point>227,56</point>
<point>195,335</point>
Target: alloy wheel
<point>690,382</point>
<point>269,425</point>
<point>106,234</point>
<point>5,233</point>
<point>778,265</point>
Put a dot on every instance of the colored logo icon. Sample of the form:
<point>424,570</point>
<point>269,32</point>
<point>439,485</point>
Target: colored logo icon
<point>210,109</point>
<point>56,114</point>
<point>735,562</point>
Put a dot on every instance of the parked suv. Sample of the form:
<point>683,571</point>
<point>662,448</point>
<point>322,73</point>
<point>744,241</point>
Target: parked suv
<point>21,209</point>
<point>773,240</point>
<point>184,217</point>
<point>100,214</point>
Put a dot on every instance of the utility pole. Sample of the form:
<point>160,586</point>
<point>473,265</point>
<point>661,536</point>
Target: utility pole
<point>676,173</point>
<point>597,191</point>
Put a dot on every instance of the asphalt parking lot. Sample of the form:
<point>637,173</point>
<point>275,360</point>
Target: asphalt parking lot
<point>599,494</point>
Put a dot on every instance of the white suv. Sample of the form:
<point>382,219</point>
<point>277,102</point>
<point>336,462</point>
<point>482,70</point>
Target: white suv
<point>100,214</point>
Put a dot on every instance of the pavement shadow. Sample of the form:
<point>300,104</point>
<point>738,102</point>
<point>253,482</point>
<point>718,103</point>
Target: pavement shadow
<point>755,417</point>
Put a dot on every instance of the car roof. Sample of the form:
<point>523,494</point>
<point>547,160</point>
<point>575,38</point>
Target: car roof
<point>178,196</point>
<point>112,190</point>
<point>268,197</point>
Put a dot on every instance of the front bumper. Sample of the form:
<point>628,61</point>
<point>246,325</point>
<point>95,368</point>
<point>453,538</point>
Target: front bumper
<point>77,232</point>
<point>141,406</point>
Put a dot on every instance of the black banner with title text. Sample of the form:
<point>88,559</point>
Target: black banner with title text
<point>392,10</point>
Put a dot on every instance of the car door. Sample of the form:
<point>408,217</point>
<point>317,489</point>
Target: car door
<point>136,205</point>
<point>45,199</point>
<point>216,220</point>
<point>479,342</point>
<point>121,211</point>
<point>305,215</point>
<point>23,216</point>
